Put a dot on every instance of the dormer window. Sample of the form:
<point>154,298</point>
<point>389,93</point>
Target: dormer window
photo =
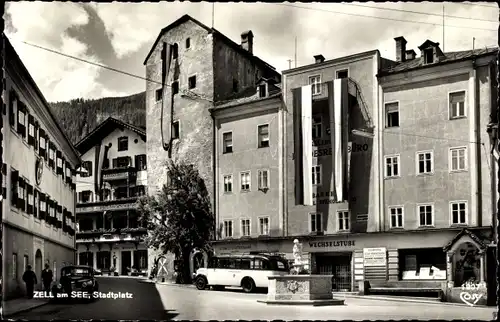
<point>262,90</point>
<point>429,56</point>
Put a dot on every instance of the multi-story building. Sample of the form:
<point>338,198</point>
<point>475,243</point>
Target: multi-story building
<point>111,178</point>
<point>189,68</point>
<point>438,175</point>
<point>38,187</point>
<point>249,163</point>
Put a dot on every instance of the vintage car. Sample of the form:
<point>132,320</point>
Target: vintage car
<point>77,282</point>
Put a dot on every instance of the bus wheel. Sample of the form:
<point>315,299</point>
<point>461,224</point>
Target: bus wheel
<point>248,285</point>
<point>201,283</point>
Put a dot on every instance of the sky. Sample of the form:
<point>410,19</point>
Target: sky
<point>120,35</point>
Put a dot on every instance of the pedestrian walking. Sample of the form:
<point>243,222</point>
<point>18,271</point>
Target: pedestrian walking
<point>29,277</point>
<point>47,277</point>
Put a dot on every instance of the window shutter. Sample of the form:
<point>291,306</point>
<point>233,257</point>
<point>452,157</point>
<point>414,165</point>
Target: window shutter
<point>42,144</point>
<point>48,214</point>
<point>51,155</point>
<point>48,146</point>
<point>59,216</point>
<point>136,162</point>
<point>21,119</point>
<point>21,202</point>
<point>68,173</point>
<point>43,207</point>
<point>36,208</point>
<point>14,181</point>
<point>59,162</point>
<point>31,129</point>
<point>37,136</point>
<point>12,109</point>
<point>30,203</point>
<point>4,181</point>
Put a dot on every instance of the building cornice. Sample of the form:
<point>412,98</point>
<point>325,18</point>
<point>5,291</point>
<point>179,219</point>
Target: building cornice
<point>331,63</point>
<point>270,104</point>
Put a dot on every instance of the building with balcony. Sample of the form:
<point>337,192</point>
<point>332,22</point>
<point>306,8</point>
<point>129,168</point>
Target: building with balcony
<point>249,159</point>
<point>38,184</point>
<point>198,67</point>
<point>112,177</point>
<point>438,179</point>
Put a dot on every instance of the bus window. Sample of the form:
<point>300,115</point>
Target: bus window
<point>245,263</point>
<point>227,263</point>
<point>279,264</point>
<point>259,263</point>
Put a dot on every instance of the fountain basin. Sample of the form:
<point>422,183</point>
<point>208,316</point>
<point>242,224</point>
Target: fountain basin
<point>314,290</point>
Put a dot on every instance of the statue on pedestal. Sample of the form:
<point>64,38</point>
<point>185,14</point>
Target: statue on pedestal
<point>297,252</point>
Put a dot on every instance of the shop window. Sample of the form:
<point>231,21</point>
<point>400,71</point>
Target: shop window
<point>422,264</point>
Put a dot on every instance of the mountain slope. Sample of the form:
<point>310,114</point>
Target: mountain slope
<point>79,117</point>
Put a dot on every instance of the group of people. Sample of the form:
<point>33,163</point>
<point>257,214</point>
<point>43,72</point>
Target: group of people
<point>30,279</point>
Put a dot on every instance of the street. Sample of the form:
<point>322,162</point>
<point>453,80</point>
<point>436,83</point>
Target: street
<point>172,302</point>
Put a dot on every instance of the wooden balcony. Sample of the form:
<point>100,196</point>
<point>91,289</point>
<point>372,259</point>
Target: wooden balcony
<point>121,173</point>
<point>109,205</point>
<point>111,235</point>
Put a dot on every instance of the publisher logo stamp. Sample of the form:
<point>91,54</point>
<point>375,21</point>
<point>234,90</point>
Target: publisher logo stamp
<point>472,293</point>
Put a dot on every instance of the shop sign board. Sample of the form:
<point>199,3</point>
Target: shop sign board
<point>375,256</point>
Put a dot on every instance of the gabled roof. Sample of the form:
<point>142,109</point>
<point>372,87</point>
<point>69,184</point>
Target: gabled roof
<point>103,130</point>
<point>427,44</point>
<point>468,233</point>
<point>226,40</point>
<point>450,57</point>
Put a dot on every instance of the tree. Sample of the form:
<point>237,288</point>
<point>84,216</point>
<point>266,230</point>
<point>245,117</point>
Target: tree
<point>179,217</point>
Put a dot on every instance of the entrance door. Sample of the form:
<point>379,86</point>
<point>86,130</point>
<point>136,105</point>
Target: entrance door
<point>340,267</point>
<point>38,266</point>
<point>126,261</point>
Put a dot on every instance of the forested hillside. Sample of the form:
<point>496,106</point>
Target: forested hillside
<point>78,117</point>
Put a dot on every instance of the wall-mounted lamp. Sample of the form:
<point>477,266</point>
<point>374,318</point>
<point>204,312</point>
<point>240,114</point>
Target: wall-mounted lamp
<point>363,133</point>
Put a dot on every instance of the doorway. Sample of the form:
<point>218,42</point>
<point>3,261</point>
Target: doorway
<point>338,265</point>
<point>38,266</point>
<point>126,262</point>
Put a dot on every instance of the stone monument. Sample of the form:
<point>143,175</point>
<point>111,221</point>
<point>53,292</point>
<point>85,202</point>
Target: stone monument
<point>300,287</point>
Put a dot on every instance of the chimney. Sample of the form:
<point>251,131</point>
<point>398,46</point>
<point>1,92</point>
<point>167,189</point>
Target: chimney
<point>247,41</point>
<point>411,54</point>
<point>400,49</point>
<point>319,59</point>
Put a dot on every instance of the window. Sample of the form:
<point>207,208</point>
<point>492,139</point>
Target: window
<point>26,262</point>
<point>245,181</point>
<point>424,163</point>
<point>188,43</point>
<point>235,85</point>
<point>458,159</point>
<point>263,132</point>
<point>141,162</point>
<point>228,228</point>
<point>85,196</point>
<point>21,119</point>
<point>429,55</point>
<point>457,105</point>
<point>316,175</point>
<point>227,144</point>
<point>343,220</point>
<point>396,217</point>
<point>316,222</point>
<point>392,166</point>
<point>342,73</point>
<point>426,213</point>
<point>315,81</point>
<point>192,82</point>
<point>260,264</point>
<point>175,51</point>
<point>264,226</point>
<point>263,176</point>
<point>176,130</point>
<point>175,87</point>
<point>392,115</point>
<point>245,227</point>
<point>14,266</point>
<point>87,169</point>
<point>14,184</point>
<point>123,143</point>
<point>262,90</point>
<point>228,183</point>
<point>159,94</point>
<point>317,127</point>
<point>458,211</point>
<point>121,162</point>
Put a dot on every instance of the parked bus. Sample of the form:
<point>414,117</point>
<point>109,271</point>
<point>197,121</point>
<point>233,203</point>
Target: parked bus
<point>246,271</point>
